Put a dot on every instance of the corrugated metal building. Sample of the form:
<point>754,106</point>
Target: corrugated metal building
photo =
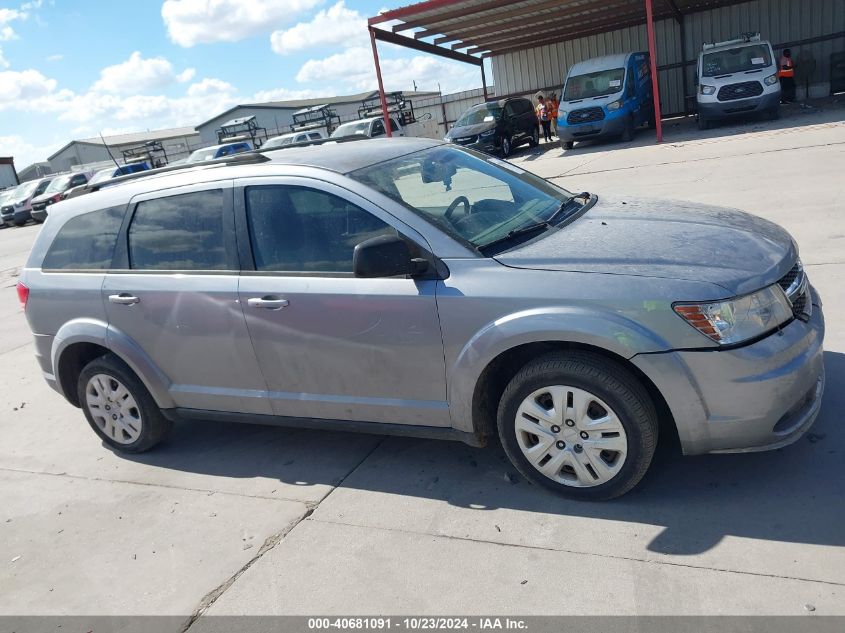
<point>277,116</point>
<point>177,142</point>
<point>782,22</point>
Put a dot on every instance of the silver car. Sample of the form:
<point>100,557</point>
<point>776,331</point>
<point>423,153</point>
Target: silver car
<point>409,287</point>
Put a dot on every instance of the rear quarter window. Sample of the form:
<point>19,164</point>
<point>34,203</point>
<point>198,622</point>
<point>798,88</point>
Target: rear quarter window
<point>85,242</point>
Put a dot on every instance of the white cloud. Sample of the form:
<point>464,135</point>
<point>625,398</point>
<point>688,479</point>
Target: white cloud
<point>354,68</point>
<point>7,33</point>
<point>55,58</point>
<point>22,86</point>
<point>191,22</point>
<point>285,94</point>
<point>137,74</point>
<point>26,153</point>
<point>335,25</point>
<point>209,86</point>
<point>3,63</point>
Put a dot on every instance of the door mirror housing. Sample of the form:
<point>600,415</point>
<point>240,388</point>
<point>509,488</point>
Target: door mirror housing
<point>385,256</point>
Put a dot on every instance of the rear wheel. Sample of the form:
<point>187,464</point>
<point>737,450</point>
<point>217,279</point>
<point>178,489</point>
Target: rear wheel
<point>118,406</point>
<point>578,424</point>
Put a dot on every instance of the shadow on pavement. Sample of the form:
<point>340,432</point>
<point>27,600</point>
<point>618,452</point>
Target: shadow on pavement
<point>795,494</point>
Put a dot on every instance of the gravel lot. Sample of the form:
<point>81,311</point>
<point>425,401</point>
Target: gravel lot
<point>229,519</point>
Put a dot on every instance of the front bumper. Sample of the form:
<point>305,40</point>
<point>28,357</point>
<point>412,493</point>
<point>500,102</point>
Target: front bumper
<point>761,396</point>
<point>611,125</point>
<point>22,216</point>
<point>7,214</point>
<point>491,146</point>
<point>39,214</point>
<point>725,109</point>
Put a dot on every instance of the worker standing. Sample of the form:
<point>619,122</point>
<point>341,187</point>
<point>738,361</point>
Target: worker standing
<point>543,117</point>
<point>553,113</point>
<point>786,72</point>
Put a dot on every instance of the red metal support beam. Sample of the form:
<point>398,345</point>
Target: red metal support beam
<point>382,98</point>
<point>409,42</point>
<point>655,84</point>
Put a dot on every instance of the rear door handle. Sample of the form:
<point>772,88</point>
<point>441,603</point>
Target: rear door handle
<point>123,299</point>
<point>268,303</point>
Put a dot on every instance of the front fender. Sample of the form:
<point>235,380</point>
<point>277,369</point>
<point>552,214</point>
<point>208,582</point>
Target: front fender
<point>605,330</point>
<point>100,333</point>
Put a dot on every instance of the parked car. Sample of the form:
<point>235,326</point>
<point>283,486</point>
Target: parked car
<point>17,209</point>
<point>218,151</point>
<point>735,78</point>
<point>497,127</point>
<point>56,191</point>
<point>608,96</point>
<point>372,127</point>
<point>4,195</point>
<point>417,288</point>
<point>104,175</point>
<point>294,137</point>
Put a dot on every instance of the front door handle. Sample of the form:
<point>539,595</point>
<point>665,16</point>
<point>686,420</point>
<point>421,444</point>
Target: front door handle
<point>268,303</point>
<point>123,299</point>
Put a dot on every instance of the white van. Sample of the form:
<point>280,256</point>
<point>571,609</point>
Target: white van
<point>293,137</point>
<point>372,127</point>
<point>737,77</point>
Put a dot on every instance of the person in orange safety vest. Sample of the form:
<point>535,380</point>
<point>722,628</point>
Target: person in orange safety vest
<point>553,110</point>
<point>786,72</point>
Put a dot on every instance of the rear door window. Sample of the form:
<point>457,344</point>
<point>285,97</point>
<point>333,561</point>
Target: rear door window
<point>181,232</point>
<point>85,242</point>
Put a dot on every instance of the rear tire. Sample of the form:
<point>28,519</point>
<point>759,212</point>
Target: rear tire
<point>118,406</point>
<point>599,436</point>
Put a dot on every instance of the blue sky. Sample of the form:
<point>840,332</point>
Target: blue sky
<point>75,68</point>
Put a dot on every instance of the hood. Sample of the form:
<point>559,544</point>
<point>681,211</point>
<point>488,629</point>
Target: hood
<point>46,196</point>
<point>590,101</point>
<point>471,130</point>
<point>665,239</point>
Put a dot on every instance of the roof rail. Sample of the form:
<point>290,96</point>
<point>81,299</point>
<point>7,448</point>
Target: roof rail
<point>742,38</point>
<point>244,158</point>
<point>319,141</point>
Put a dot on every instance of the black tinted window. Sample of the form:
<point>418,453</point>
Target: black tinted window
<point>297,229</point>
<point>85,242</point>
<point>183,232</point>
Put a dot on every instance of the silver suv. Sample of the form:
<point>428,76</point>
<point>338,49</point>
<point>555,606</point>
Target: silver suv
<point>409,287</point>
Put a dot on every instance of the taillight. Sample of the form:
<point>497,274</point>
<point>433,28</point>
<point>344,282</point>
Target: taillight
<point>23,294</point>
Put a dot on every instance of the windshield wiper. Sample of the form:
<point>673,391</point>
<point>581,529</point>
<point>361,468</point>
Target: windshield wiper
<point>531,228</point>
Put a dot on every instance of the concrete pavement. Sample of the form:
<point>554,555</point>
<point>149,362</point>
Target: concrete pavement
<point>229,519</point>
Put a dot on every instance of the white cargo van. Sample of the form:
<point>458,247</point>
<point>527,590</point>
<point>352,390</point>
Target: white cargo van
<point>737,77</point>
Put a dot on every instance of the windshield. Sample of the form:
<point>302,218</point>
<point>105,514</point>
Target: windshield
<point>597,84</point>
<point>202,154</point>
<point>22,192</point>
<point>486,113</point>
<point>279,141</point>
<point>350,129</point>
<point>736,60</point>
<point>474,198</point>
<point>100,176</point>
<point>59,184</point>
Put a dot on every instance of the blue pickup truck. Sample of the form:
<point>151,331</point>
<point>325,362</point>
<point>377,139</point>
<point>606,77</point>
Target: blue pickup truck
<point>605,97</point>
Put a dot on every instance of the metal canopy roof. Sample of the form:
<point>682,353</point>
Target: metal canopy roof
<point>470,30</point>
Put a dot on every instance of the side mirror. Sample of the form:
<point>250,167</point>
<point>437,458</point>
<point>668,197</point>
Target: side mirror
<point>385,256</point>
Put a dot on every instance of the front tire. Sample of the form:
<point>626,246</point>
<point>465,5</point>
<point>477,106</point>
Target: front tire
<point>628,133</point>
<point>578,424</point>
<point>703,124</point>
<point>567,145</point>
<point>534,141</point>
<point>506,147</point>
<point>118,406</point>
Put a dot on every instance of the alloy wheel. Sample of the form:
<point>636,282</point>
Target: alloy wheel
<point>571,436</point>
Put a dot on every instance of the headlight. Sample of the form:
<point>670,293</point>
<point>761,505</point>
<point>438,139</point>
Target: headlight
<point>447,139</point>
<point>562,114</point>
<point>487,134</point>
<point>771,80</point>
<point>736,320</point>
<point>614,106</point>
<point>707,90</point>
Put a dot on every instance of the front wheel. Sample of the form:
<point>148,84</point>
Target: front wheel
<point>628,132</point>
<point>703,124</point>
<point>506,147</point>
<point>534,141</point>
<point>118,406</point>
<point>578,424</point>
<point>566,145</point>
